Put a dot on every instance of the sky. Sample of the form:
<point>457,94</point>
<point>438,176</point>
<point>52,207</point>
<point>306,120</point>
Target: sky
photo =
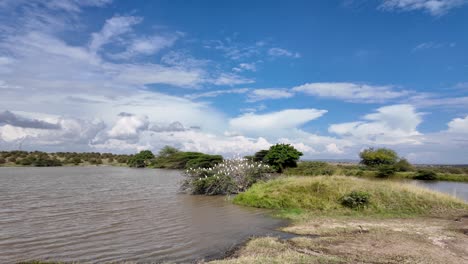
<point>330,78</point>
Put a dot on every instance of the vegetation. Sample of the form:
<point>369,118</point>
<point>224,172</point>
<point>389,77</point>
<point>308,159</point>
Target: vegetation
<point>325,194</point>
<point>171,158</point>
<point>230,176</point>
<point>141,160</point>
<point>426,175</point>
<point>356,200</point>
<point>44,159</point>
<point>312,168</point>
<point>281,156</point>
<point>168,158</point>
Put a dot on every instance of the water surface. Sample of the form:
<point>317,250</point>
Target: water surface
<point>457,189</point>
<point>104,214</point>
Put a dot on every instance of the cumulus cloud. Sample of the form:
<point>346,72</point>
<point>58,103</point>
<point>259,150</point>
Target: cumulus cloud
<point>393,124</point>
<point>274,122</point>
<point>351,92</point>
<point>458,125</point>
<point>433,7</point>
<point>264,94</point>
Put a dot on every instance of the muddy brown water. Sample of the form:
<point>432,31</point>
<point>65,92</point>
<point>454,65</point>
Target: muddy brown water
<point>108,214</point>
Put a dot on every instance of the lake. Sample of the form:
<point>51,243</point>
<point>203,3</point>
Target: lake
<point>457,189</point>
<point>104,214</point>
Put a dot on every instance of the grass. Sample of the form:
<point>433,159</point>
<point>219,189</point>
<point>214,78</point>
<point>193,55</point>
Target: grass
<point>296,196</point>
<point>397,226</point>
<point>317,168</point>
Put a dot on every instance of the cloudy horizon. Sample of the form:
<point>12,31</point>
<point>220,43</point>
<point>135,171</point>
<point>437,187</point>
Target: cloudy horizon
<point>114,76</point>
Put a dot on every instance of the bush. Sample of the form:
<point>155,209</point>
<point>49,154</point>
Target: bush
<point>376,157</point>
<point>2,161</point>
<point>403,165</point>
<point>281,156</point>
<point>426,175</point>
<point>228,177</point>
<point>260,155</point>
<point>356,200</point>
<point>141,160</point>
<point>385,171</point>
<point>186,160</point>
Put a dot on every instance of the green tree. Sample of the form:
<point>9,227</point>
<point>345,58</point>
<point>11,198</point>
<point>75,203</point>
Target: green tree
<point>403,165</point>
<point>281,156</point>
<point>260,155</point>
<point>141,159</point>
<point>376,157</point>
<point>167,151</point>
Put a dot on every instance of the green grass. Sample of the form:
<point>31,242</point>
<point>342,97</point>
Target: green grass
<point>321,195</point>
<point>318,168</point>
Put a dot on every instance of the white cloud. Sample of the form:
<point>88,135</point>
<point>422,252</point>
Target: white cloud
<point>433,7</point>
<point>128,126</point>
<point>279,52</point>
<point>245,67</point>
<point>217,93</point>
<point>230,79</point>
<point>351,92</point>
<point>113,27</point>
<point>275,122</point>
<point>264,94</point>
<point>395,124</point>
<point>458,125</point>
<point>146,46</point>
<point>426,100</point>
<point>433,45</point>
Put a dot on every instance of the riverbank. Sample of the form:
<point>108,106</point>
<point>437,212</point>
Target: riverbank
<point>401,223</point>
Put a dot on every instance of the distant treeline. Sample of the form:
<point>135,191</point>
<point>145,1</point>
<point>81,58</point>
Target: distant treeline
<point>172,158</point>
<point>44,159</point>
<point>167,158</point>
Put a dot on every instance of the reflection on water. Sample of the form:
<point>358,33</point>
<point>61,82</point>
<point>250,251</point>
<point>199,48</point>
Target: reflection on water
<point>457,189</point>
<point>101,214</point>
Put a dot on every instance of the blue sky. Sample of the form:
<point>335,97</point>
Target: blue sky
<point>234,77</point>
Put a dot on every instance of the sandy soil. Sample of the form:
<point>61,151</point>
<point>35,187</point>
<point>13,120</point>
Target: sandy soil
<point>413,240</point>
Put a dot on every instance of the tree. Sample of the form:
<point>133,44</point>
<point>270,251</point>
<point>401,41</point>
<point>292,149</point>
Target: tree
<point>141,159</point>
<point>167,151</point>
<point>376,157</point>
<point>260,155</point>
<point>403,165</point>
<point>281,156</point>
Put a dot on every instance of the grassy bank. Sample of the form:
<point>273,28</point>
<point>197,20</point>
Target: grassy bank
<point>316,168</point>
<point>324,195</point>
<point>400,224</point>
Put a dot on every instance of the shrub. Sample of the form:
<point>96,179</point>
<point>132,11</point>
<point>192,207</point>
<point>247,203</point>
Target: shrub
<point>186,160</point>
<point>230,176</point>
<point>141,159</point>
<point>356,200</point>
<point>385,171</point>
<point>281,156</point>
<point>260,155</point>
<point>403,165</point>
<point>426,175</point>
<point>377,157</point>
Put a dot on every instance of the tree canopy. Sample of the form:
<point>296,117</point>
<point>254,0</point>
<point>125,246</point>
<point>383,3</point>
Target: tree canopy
<point>281,156</point>
<point>376,157</point>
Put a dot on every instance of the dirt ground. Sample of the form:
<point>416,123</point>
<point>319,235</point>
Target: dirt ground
<point>413,240</point>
